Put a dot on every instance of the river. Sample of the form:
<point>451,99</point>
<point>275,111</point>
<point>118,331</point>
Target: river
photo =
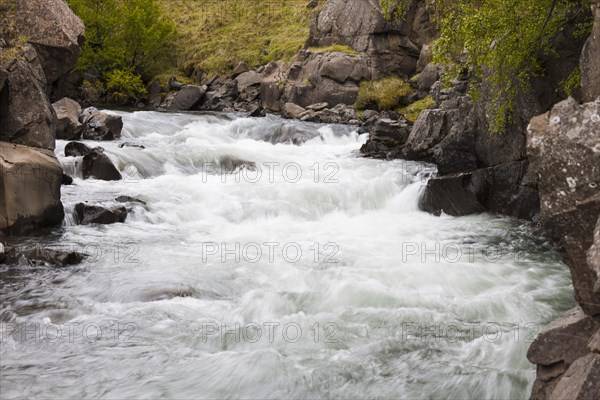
<point>305,272</point>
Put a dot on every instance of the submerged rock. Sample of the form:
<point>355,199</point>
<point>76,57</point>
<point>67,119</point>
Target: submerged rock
<point>77,149</point>
<point>98,165</point>
<point>94,214</point>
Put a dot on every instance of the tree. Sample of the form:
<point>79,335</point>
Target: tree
<point>125,35</point>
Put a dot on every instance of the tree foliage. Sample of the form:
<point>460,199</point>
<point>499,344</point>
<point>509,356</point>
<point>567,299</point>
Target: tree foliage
<point>498,43</point>
<point>128,35</point>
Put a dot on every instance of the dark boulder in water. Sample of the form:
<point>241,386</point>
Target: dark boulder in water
<point>97,165</point>
<point>77,149</point>
<point>94,214</point>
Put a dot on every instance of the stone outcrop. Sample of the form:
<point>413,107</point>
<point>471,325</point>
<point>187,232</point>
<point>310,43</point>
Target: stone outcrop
<point>393,46</point>
<point>564,150</point>
<point>68,112</point>
<point>564,147</point>
<point>590,59</point>
<point>30,181</point>
<point>30,175</point>
<point>26,116</point>
<point>55,32</point>
<point>98,125</point>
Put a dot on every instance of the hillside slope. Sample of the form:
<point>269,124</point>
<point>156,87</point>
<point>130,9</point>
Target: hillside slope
<point>216,35</point>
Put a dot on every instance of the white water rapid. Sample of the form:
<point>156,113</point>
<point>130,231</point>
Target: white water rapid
<point>311,274</point>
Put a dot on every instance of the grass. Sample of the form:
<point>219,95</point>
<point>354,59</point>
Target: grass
<point>384,94</point>
<point>215,35</point>
<point>412,111</point>
<point>336,47</point>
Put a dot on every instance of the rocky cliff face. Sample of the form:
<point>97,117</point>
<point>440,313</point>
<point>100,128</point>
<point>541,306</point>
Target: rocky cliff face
<point>564,148</point>
<point>30,175</point>
<point>379,48</point>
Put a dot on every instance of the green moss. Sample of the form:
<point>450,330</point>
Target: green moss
<point>336,47</point>
<point>412,111</point>
<point>384,94</point>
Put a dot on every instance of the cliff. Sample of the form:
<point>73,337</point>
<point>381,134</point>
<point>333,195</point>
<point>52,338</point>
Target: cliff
<point>42,45</point>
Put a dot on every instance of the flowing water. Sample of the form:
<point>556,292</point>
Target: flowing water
<point>309,274</point>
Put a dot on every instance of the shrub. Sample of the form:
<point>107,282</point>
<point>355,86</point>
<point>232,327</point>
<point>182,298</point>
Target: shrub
<point>384,94</point>
<point>124,84</point>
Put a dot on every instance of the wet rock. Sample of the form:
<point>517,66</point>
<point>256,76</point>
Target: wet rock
<point>552,346</point>
<point>55,257</point>
<point>66,180</point>
<point>94,214</point>
<point>77,149</point>
<point>295,134</point>
<point>385,136</point>
<point>232,164</point>
<point>167,293</point>
<point>291,110</point>
<point>129,144</point>
<point>30,181</point>
<point>188,98</point>
<point>497,189</point>
<point>128,199</point>
<point>68,112</point>
<point>100,126</point>
<point>97,165</point>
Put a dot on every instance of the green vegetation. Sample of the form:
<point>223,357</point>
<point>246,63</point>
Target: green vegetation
<point>384,94</point>
<point>214,36</point>
<point>412,111</point>
<point>499,42</point>
<point>124,83</point>
<point>127,41</point>
<point>342,48</point>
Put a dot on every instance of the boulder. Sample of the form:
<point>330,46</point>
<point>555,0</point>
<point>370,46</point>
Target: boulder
<point>188,98</point>
<point>291,110</point>
<point>68,112</point>
<point>499,189</point>
<point>248,80</point>
<point>564,340</point>
<point>30,181</point>
<point>26,116</point>
<point>98,125</point>
<point>97,165</point>
<point>53,257</point>
<point>580,382</point>
<point>77,149</point>
<point>174,84</point>
<point>94,214</point>
<point>240,68</point>
<point>66,180</point>
<point>590,59</point>
<point>393,46</point>
<point>564,148</point>
<point>55,31</point>
<point>385,136</point>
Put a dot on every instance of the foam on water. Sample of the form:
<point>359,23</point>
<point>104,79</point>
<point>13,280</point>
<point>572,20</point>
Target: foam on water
<point>400,314</point>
